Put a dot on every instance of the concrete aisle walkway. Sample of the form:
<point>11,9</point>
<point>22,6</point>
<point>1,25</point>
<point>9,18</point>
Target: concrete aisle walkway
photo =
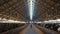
<point>31,30</point>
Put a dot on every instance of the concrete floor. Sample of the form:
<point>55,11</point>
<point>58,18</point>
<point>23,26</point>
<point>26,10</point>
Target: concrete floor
<point>31,31</point>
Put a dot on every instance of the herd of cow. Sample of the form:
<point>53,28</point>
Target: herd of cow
<point>8,26</point>
<point>52,26</point>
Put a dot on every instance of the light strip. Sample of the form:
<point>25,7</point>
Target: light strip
<point>31,9</point>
